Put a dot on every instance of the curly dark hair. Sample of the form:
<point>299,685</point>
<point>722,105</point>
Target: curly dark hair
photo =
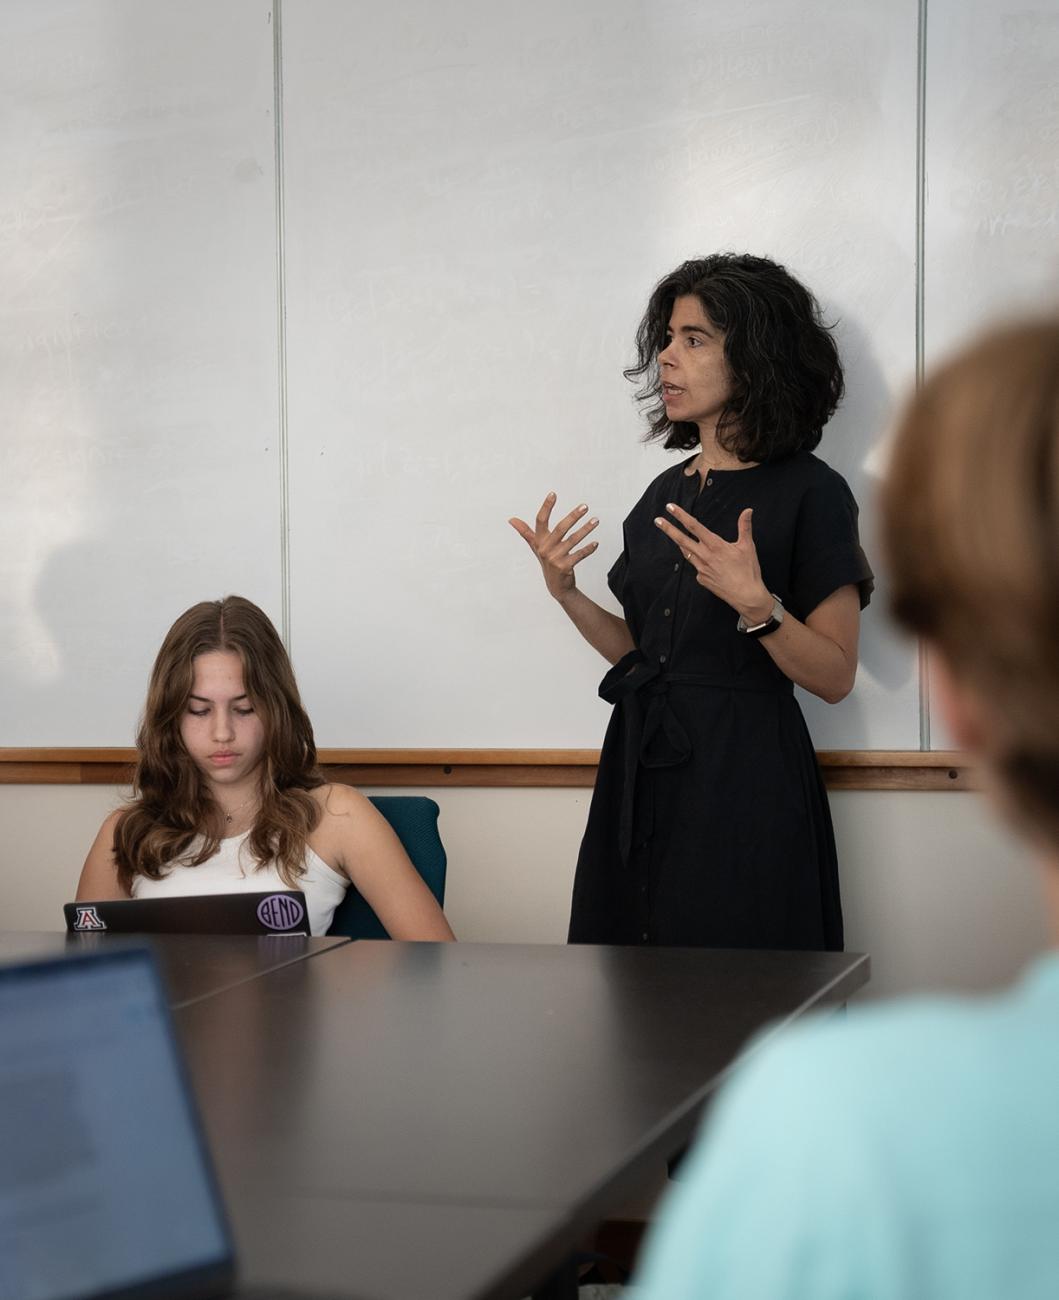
<point>786,373</point>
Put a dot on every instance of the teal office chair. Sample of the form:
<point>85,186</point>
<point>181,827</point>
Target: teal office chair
<point>415,819</point>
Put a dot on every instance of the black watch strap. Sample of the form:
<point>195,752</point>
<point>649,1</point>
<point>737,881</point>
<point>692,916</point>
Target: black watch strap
<point>770,624</point>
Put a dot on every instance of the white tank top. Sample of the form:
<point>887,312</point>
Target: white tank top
<point>232,870</point>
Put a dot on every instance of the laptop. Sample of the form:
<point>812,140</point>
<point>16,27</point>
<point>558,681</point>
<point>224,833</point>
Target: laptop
<point>278,912</point>
<point>98,1197</point>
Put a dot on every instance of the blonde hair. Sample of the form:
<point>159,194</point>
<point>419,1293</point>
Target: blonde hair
<point>171,801</point>
<point>971,526</point>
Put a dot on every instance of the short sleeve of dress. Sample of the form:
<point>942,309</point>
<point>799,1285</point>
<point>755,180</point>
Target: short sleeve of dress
<point>827,552</point>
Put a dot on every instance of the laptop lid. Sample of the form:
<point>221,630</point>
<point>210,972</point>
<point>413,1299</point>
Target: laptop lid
<point>276,912</point>
<point>106,1188</point>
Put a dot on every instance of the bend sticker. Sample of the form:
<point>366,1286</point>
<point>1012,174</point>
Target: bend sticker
<point>280,912</point>
<point>87,918</point>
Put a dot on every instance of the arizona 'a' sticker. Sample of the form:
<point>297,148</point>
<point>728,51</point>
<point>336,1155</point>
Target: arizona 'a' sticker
<point>87,918</point>
<point>280,912</point>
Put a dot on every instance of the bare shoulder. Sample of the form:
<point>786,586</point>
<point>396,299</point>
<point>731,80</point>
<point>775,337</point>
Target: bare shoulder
<point>349,826</point>
<point>340,801</point>
<point>105,837</point>
<point>99,875</point>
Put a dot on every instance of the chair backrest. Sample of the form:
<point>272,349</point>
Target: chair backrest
<point>415,820</point>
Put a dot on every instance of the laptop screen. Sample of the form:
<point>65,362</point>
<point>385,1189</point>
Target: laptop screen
<point>104,1182</point>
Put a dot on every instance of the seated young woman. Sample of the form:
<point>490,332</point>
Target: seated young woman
<point>227,795</point>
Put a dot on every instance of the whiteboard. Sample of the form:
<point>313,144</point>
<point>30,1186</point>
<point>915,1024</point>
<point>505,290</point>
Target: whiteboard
<point>476,211</point>
<point>334,413</point>
<point>138,376</point>
<point>992,228</point>
<point>992,211</point>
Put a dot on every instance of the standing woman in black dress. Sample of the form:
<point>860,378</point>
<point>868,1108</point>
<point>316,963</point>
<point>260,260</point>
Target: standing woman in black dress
<point>741,576</point>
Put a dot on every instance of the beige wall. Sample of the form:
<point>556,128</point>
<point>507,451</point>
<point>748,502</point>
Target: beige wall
<point>936,894</point>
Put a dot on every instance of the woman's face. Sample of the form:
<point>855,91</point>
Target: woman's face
<point>696,383</point>
<point>220,729</point>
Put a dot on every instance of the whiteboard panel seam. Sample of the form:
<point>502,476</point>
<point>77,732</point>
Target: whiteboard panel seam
<point>281,328</point>
<point>921,204</point>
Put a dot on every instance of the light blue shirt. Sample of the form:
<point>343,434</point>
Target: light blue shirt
<point>910,1150</point>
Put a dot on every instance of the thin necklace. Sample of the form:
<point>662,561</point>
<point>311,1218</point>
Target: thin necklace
<point>229,817</point>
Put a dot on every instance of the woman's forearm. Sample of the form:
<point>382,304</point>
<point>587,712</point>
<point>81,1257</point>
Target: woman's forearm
<point>606,632</point>
<point>820,654</point>
<point>811,660</point>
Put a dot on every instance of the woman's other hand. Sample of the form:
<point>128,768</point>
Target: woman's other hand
<point>558,549</point>
<point>728,569</point>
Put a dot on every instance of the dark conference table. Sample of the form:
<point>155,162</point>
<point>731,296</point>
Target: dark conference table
<point>447,1121</point>
<point>194,966</point>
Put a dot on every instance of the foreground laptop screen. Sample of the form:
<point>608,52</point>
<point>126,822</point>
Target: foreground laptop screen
<point>103,1181</point>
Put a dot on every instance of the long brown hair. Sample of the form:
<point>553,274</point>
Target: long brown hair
<point>171,802</point>
<point>971,524</point>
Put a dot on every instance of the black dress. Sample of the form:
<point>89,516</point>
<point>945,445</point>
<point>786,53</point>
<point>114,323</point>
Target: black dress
<point>709,822</point>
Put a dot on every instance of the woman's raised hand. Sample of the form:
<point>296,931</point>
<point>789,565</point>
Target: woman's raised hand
<point>729,569</point>
<point>558,549</point>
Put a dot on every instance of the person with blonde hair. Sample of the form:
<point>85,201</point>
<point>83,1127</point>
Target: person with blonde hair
<point>913,1149</point>
<point>227,795</point>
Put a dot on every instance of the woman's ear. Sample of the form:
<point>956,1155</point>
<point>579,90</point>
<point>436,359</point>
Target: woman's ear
<point>959,706</point>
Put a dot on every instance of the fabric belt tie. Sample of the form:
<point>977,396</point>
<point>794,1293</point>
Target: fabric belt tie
<point>654,736</point>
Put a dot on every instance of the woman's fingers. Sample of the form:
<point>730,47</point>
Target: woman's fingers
<point>543,521</point>
<point>553,548</point>
<point>556,551</point>
<point>544,514</point>
<point>692,550</point>
<point>687,544</point>
<point>575,557</point>
<point>559,551</point>
<point>567,522</point>
<point>525,532</point>
<point>575,539</point>
<point>698,530</point>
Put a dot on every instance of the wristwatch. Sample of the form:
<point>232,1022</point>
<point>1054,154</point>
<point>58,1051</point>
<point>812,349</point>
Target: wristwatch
<point>770,624</point>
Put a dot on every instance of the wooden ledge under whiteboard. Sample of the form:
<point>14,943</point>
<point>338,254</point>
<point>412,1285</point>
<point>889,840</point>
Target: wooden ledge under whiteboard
<point>869,769</point>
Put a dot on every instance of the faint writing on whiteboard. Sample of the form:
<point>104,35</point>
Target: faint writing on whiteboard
<point>153,182</point>
<point>80,329</point>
